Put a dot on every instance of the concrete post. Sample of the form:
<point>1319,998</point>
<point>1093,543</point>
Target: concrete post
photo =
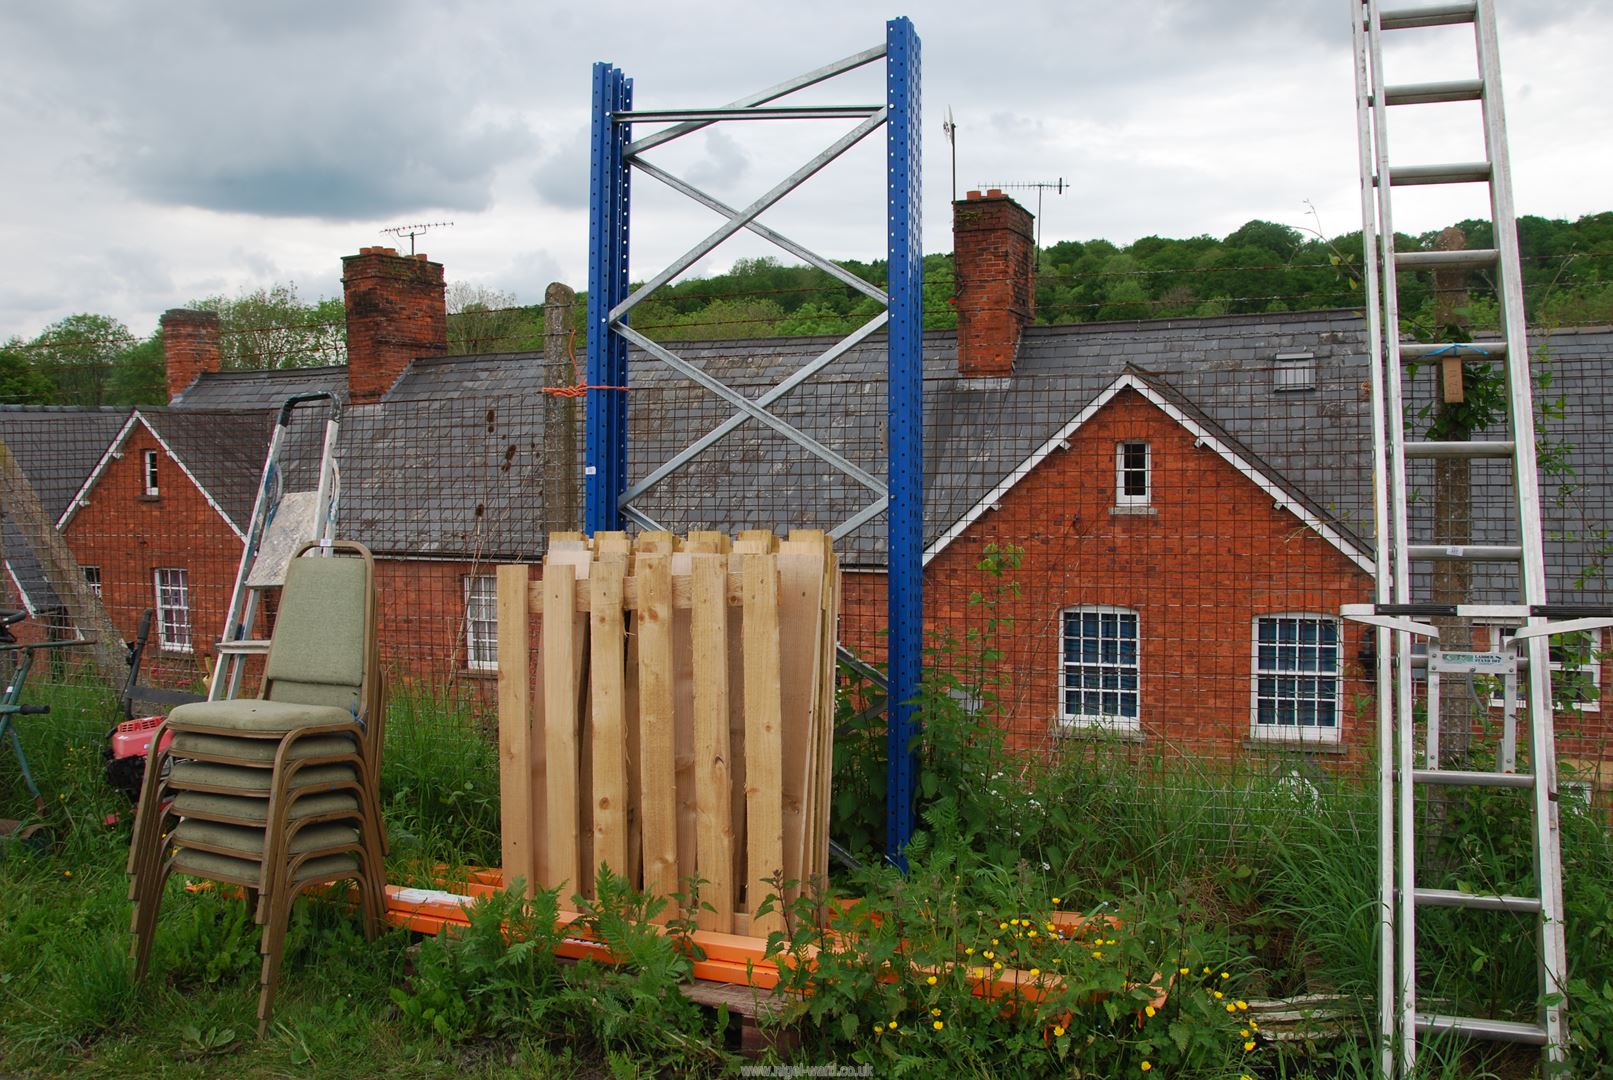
<point>561,460</point>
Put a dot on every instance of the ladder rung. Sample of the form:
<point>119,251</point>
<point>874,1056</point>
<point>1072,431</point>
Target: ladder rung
<point>1434,15</point>
<point>1489,448</point>
<point>1465,552</point>
<point>1501,1030</point>
<point>1464,350</point>
<point>1471,259</point>
<point>1433,93</point>
<point>1453,898</point>
<point>1465,172</point>
<point>1465,778</point>
<point>245,646</point>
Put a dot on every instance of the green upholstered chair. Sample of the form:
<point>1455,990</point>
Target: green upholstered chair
<point>279,792</point>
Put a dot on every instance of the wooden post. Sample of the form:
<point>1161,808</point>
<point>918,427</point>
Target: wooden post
<point>606,675</point>
<point>657,719</point>
<point>66,577</point>
<point>560,719</point>
<point>516,780</point>
<point>764,780</point>
<point>561,505</point>
<point>713,802</point>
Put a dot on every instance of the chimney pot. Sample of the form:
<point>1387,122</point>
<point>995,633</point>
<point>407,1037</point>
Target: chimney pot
<point>396,311</point>
<point>190,347</point>
<point>994,258</point>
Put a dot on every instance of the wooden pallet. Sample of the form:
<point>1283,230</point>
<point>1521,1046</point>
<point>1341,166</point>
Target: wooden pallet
<point>673,719</point>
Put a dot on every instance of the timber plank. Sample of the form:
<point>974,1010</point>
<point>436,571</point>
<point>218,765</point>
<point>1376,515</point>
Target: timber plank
<point>515,735</point>
<point>607,683</point>
<point>764,827</point>
<point>561,645</point>
<point>714,842</point>
<point>657,765</point>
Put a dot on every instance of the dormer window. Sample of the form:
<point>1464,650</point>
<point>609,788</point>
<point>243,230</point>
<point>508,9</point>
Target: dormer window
<point>1294,371</point>
<point>1133,479</point>
<point>148,469</point>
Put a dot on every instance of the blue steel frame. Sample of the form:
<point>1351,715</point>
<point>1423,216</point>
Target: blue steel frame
<point>605,474</point>
<point>906,431</point>
<point>606,458</point>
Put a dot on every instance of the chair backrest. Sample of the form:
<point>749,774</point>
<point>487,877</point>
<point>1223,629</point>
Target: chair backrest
<point>323,651</point>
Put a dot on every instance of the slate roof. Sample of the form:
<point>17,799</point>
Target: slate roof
<point>449,464</point>
<point>56,448</point>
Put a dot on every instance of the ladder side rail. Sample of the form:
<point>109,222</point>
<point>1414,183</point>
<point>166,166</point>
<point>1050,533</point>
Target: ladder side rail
<point>328,491</point>
<point>235,626</point>
<point>1526,486</point>
<point>1381,580</point>
<point>1394,464</point>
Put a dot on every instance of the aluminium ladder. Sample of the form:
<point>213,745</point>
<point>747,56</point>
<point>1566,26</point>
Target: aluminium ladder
<point>1400,599</point>
<point>281,520</point>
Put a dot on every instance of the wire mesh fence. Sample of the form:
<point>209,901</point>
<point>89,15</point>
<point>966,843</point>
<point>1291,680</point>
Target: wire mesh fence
<point>1137,542</point>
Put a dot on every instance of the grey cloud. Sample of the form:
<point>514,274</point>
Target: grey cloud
<point>561,178</point>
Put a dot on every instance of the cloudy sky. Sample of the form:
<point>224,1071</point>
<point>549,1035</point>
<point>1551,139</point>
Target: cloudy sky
<point>161,152</point>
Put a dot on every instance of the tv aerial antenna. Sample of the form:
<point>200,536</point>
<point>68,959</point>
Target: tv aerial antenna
<point>412,231</point>
<point>1057,187</point>
<point>951,130</point>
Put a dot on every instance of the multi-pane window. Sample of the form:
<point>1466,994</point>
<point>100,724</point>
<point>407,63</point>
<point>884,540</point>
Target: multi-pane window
<point>148,470</point>
<point>173,610</point>
<point>1576,670</point>
<point>92,578</point>
<point>481,623</point>
<point>1296,677</point>
<point>1100,668</point>
<point>1132,482</point>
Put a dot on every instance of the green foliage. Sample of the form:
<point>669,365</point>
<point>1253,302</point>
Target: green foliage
<point>274,327</point>
<point>485,320</point>
<point>20,382</point>
<point>141,376</point>
<point>78,355</point>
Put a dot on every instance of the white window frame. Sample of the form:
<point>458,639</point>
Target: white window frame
<point>92,578</point>
<point>1117,721</point>
<point>1598,642</point>
<point>1121,497</point>
<point>172,586</point>
<point>148,473</point>
<point>481,622</point>
<point>1296,732</point>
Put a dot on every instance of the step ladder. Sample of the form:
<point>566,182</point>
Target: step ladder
<point>281,521</point>
<point>1398,612</point>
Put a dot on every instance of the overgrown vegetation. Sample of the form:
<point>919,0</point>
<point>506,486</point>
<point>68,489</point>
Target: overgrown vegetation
<point>1205,888</point>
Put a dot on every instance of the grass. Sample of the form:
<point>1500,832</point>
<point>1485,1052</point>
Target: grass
<point>1278,871</point>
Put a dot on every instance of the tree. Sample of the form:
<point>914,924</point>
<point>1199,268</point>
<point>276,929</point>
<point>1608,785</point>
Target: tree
<point>78,354</point>
<point>140,377</point>
<point>275,328</point>
<point>20,384</point>
<point>484,320</point>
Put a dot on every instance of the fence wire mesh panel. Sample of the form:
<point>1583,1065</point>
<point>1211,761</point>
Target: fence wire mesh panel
<point>1138,539</point>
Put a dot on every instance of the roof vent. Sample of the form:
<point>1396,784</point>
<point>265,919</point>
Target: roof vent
<point>1294,371</point>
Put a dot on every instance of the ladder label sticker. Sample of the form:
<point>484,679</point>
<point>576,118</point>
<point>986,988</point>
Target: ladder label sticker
<point>1472,663</point>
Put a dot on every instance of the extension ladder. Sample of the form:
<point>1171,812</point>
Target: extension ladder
<point>281,521</point>
<point>1402,602</point>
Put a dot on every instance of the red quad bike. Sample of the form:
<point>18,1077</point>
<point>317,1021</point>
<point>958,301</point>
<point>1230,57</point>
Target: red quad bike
<point>129,742</point>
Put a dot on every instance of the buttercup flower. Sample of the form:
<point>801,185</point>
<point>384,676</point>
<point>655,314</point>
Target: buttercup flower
<point>1058,1031</point>
<point>938,1025</point>
<point>1146,1065</point>
<point>930,980</point>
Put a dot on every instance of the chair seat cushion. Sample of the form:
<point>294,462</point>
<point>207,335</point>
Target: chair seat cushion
<point>234,779</point>
<point>206,864</point>
<point>254,716</point>
<point>259,751</point>
<point>255,811</point>
<point>248,842</point>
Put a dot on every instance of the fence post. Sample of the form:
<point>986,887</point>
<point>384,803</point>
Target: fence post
<point>560,461</point>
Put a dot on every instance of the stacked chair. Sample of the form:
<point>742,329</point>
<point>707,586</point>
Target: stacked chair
<point>277,793</point>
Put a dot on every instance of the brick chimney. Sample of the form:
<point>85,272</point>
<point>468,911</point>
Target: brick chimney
<point>396,311</point>
<point>994,259</point>
<point>189,346</point>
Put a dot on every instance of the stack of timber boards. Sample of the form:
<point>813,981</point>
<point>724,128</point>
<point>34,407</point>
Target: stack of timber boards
<point>666,708</point>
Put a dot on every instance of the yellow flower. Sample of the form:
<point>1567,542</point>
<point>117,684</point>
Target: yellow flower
<point>1057,901</point>
<point>1243,1006</point>
<point>891,1025</point>
<point>938,1025</point>
<point>930,980</point>
<point>997,965</point>
<point>1013,922</point>
<point>1226,975</point>
<point>989,955</point>
<point>1250,1045</point>
<point>1058,1031</point>
<point>935,1012</point>
<point>1097,954</point>
<point>878,1028</point>
<point>1219,995</point>
<point>1002,926</point>
<point>67,873</point>
<point>1035,972</point>
<point>1056,960</point>
<point>1146,1065</point>
<point>1181,971</point>
<point>1031,934</point>
<point>1206,971</point>
<point>1052,929</point>
<point>1111,941</point>
<point>1253,1026</point>
<point>1244,1033</point>
<point>1151,1011</point>
<point>970,951</point>
<point>994,941</point>
<point>1231,1008</point>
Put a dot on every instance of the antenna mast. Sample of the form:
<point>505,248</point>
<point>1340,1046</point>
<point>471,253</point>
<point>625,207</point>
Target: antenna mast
<point>951,130</point>
<point>1057,187</point>
<point>412,231</point>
